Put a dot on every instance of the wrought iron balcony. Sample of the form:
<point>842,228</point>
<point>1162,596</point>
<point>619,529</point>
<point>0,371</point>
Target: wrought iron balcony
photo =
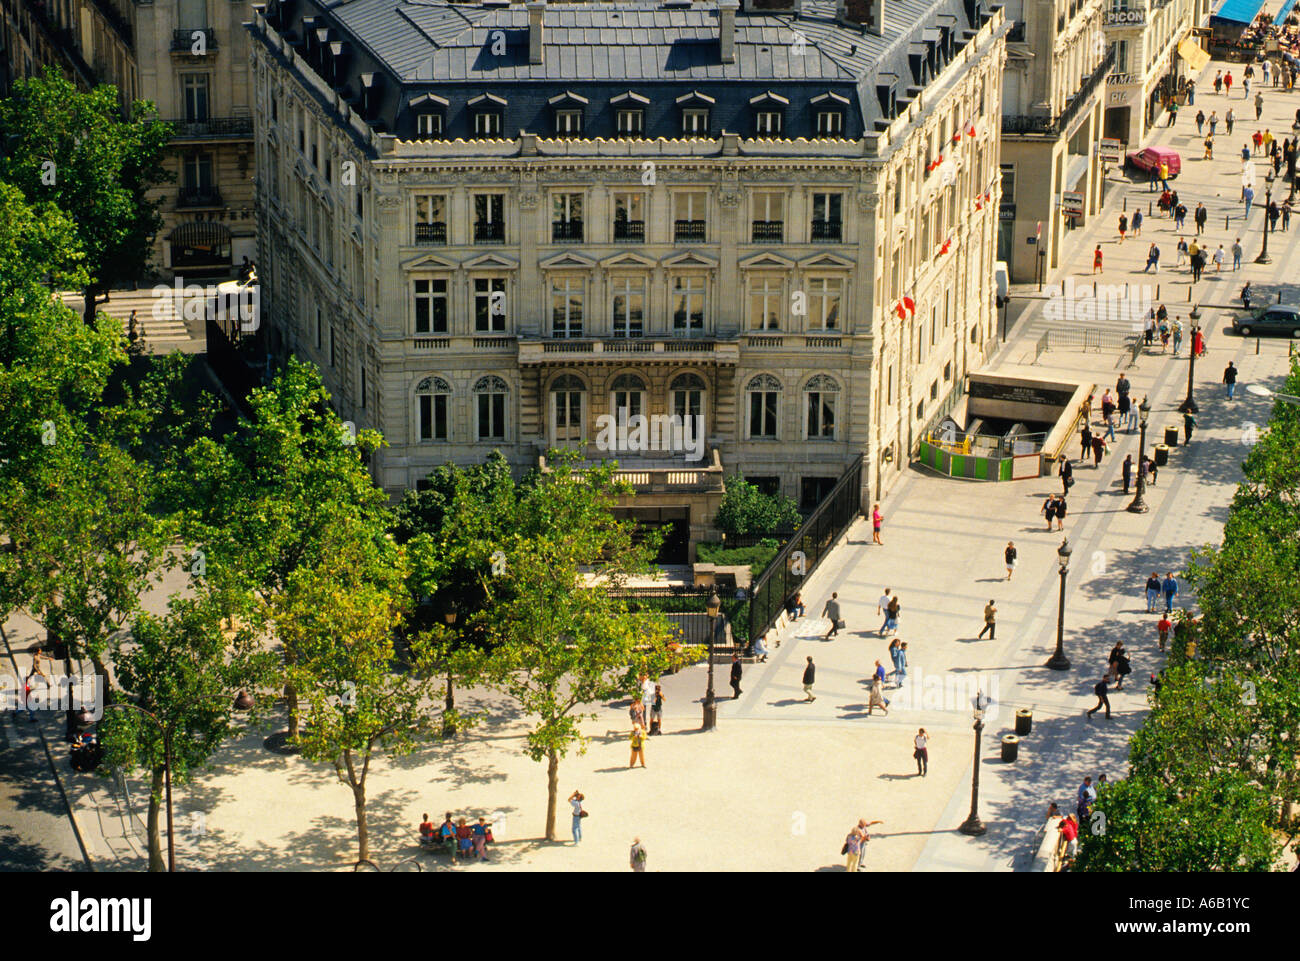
<point>489,232</point>
<point>1054,127</point>
<point>768,232</point>
<point>827,231</point>
<point>566,231</point>
<point>688,231</point>
<point>431,233</point>
<point>199,197</point>
<point>215,128</point>
<point>183,39</point>
<point>630,231</point>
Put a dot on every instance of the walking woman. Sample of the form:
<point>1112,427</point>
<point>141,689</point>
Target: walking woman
<point>1060,513</point>
<point>922,752</point>
<point>1049,510</point>
<point>1096,260</point>
<point>895,648</point>
<point>876,520</point>
<point>1010,555</point>
<point>891,614</point>
<point>657,708</point>
<point>877,699</point>
<point>638,746</point>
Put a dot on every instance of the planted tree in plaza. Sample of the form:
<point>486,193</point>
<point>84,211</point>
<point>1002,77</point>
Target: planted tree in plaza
<point>747,510</point>
<point>339,614</point>
<point>77,150</point>
<point>185,672</point>
<point>558,641</point>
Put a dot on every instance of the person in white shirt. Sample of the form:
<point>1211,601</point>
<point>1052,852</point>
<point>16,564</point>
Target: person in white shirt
<point>647,693</point>
<point>922,752</point>
<point>881,606</point>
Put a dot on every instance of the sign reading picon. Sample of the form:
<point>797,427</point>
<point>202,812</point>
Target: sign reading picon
<point>1125,18</point>
<point>1110,151</point>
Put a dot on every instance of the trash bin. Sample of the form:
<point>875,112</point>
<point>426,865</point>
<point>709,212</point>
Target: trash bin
<point>1024,721</point>
<point>1162,455</point>
<point>1010,747</point>
<point>1171,435</point>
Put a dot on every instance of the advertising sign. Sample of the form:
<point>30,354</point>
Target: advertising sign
<point>1072,203</point>
<point>1111,151</point>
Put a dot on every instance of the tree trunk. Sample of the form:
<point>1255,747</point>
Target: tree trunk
<point>291,698</point>
<point>552,791</point>
<point>88,311</point>
<point>359,803</point>
<point>156,860</point>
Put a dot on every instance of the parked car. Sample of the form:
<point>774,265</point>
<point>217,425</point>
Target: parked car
<point>1150,158</point>
<point>1274,319</point>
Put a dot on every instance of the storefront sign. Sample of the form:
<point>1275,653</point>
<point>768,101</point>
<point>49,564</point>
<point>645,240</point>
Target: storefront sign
<point>1111,151</point>
<point>1119,98</point>
<point>1019,393</point>
<point>1117,79</point>
<point>1125,18</point>
<point>1072,203</point>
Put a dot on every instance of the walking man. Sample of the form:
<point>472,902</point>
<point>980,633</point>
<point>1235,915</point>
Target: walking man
<point>990,618</point>
<point>1189,423</point>
<point>736,671</point>
<point>1128,472</point>
<point>1153,259</point>
<point>1163,627</point>
<point>809,677</point>
<point>1153,588</point>
<point>1169,587</point>
<point>832,610</point>
<point>1259,104</point>
<point>1236,249</point>
<point>1102,700</point>
<point>1200,217</point>
<point>882,608</point>
<point>1230,379</point>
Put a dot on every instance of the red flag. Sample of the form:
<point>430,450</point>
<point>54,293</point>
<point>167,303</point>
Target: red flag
<point>947,244</point>
<point>970,130</point>
<point>898,309</point>
<point>910,304</point>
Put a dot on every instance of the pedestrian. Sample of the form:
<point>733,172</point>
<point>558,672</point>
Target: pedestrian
<point>1152,470</point>
<point>1178,334</point>
<point>1218,82</point>
<point>1286,214</point>
<point>482,834</point>
<point>575,801</point>
<point>1066,473</point>
<point>990,621</point>
<point>1230,379</point>
<point>1096,260</point>
<point>832,611</point>
<point>1049,510</point>
<point>1228,120</point>
<point>1119,665</point>
<point>921,751</point>
<point>1169,588</point>
<point>1068,845</point>
<point>1163,627</point>
<point>1173,112</point>
<point>1214,122</point>
<point>1060,513</point>
<point>1200,123</point>
<point>1107,405</point>
<point>1153,259</point>
<point>657,706</point>
<point>636,712</point>
<point>647,695</point>
<point>1237,251</point>
<point>1257,139</point>
<point>1245,158</point>
<point>876,520</point>
<point>1245,89</point>
<point>1200,217</point>
<point>1198,265</point>
<point>892,611</point>
<point>809,677</point>
<point>894,647</point>
<point>1189,424</point>
<point>1137,223</point>
<point>736,672</point>
<point>1198,342</point>
<point>1123,408</point>
<point>1085,439</point>
<point>637,856</point>
<point>1268,141</point>
<point>1123,227</point>
<point>902,665</point>
<point>1180,214</point>
<point>1010,556</point>
<point>1098,449</point>
<point>1127,471</point>
<point>1265,70</point>
<point>1181,251</point>
<point>877,697</point>
<point>1102,700</point>
<point>882,607</point>
<point>1219,256</point>
<point>1273,214</point>
<point>1191,92</point>
<point>1227,84</point>
<point>1153,587</point>
<point>1209,148</point>
<point>638,745</point>
<point>853,849</point>
<point>1164,176</point>
<point>1245,295</point>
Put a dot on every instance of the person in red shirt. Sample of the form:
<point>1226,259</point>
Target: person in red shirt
<point>1069,829</point>
<point>1164,626</point>
<point>427,831</point>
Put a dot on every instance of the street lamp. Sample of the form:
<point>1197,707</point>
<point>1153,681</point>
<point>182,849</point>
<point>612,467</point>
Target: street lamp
<point>1263,257</point>
<point>1188,406</point>
<point>448,725</point>
<point>710,702</point>
<point>1261,391</point>
<point>1291,160</point>
<point>1058,661</point>
<point>973,825</point>
<point>1139,506</point>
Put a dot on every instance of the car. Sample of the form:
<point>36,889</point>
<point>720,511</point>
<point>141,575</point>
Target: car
<point>1150,158</point>
<point>1274,319</point>
<point>1001,282</point>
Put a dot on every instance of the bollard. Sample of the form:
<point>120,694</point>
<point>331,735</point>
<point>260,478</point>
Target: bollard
<point>1148,208</point>
<point>1125,205</point>
<point>1189,294</point>
<point>1024,721</point>
<point>1157,291</point>
<point>1094,288</point>
<point>1256,345</point>
<point>1010,747</point>
<point>1279,296</point>
<point>1225,221</point>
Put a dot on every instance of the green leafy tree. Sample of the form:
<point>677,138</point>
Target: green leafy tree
<point>75,149</point>
<point>747,510</point>
<point>185,672</point>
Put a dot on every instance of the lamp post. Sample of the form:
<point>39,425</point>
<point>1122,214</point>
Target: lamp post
<point>1058,660</point>
<point>1263,257</point>
<point>710,702</point>
<point>973,825</point>
<point>1290,163</point>
<point>1188,406</point>
<point>1139,506</point>
<point>449,705</point>
<point>1260,391</point>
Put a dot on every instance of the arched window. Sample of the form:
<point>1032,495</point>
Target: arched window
<point>764,402</point>
<point>568,400</point>
<point>432,401</point>
<point>627,397</point>
<point>490,395</point>
<point>687,398</point>
<point>821,395</point>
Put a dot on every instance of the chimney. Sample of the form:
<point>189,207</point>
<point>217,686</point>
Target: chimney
<point>869,14</point>
<point>536,8</point>
<point>727,29</point>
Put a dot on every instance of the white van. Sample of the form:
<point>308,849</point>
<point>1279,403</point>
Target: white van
<point>1001,282</point>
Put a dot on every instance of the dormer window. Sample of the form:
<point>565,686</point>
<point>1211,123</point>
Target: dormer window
<point>569,110</point>
<point>695,113</point>
<point>828,114</point>
<point>429,110</point>
<point>769,113</point>
<point>488,111</point>
<point>629,113</point>
<point>428,125</point>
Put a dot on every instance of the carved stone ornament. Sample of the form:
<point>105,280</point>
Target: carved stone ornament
<point>529,201</point>
<point>729,199</point>
<point>388,200</point>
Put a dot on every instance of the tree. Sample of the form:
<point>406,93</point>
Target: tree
<point>558,640</point>
<point>185,672</point>
<point>339,615</point>
<point>75,149</point>
<point>747,510</point>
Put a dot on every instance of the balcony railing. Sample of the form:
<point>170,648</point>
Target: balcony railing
<point>1054,127</point>
<point>768,232</point>
<point>630,231</point>
<point>199,197</point>
<point>688,231</point>
<point>216,128</point>
<point>431,233</point>
<point>566,231</point>
<point>489,232</point>
<point>828,231</point>
<point>183,39</point>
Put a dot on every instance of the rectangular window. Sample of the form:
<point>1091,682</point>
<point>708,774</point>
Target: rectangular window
<point>830,123</point>
<point>428,124</point>
<point>765,303</point>
<point>762,412</point>
<point>431,306</point>
<point>821,414</point>
<point>768,123</point>
<point>320,329</point>
<point>824,296</point>
<point>489,218</point>
<point>566,218</point>
<point>567,295</point>
<point>827,227</point>
<point>363,388</point>
<point>492,416</point>
<point>333,355</point>
<point>629,217</point>
<point>487,124</point>
<point>198,173</point>
<point>695,121</point>
<point>1008,183</point>
<point>689,216</point>
<point>630,123</point>
<point>433,416</point>
<point>430,219</point>
<point>688,304</point>
<point>769,217</point>
<point>489,304</point>
<point>568,123</point>
<point>627,306</point>
<point>195,89</point>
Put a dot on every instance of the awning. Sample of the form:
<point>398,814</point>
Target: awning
<point>1192,52</point>
<point>200,233</point>
<point>1238,11</point>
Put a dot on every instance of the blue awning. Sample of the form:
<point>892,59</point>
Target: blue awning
<point>1238,11</point>
<point>1281,14</point>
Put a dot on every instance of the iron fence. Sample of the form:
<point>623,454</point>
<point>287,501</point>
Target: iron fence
<point>803,552</point>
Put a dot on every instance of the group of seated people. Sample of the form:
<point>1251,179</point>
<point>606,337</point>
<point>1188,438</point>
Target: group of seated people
<point>457,837</point>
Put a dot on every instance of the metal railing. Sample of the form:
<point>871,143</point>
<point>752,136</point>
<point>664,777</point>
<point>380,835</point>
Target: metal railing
<point>813,542</point>
<point>489,232</point>
<point>431,233</point>
<point>1054,126</point>
<point>566,231</point>
<point>196,197</point>
<point>768,232</point>
<point>212,128</point>
<point>829,231</point>
<point>688,231</point>
<point>184,38</point>
<point>632,231</point>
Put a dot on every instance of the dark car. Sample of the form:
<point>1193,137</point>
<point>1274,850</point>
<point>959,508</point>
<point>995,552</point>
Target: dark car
<point>1276,319</point>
